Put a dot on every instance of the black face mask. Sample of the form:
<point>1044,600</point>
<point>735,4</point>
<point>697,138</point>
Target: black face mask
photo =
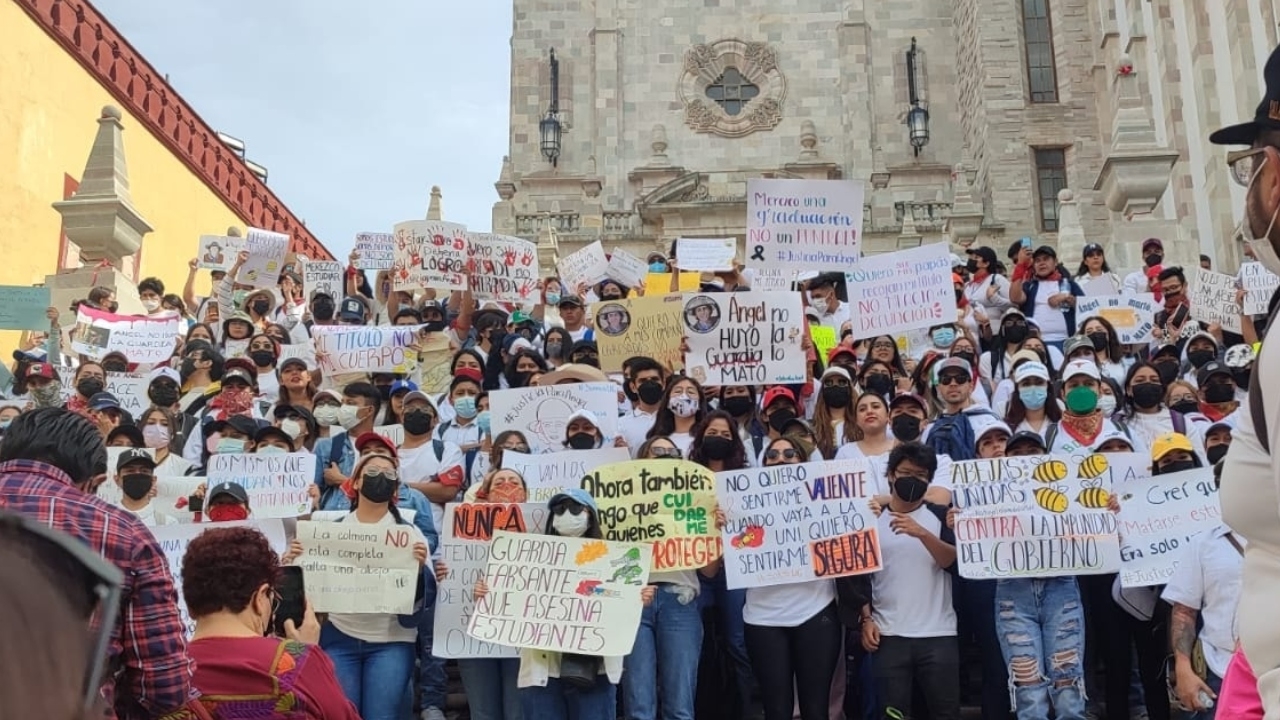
<point>384,391</point>
<point>322,310</point>
<point>716,447</point>
<point>837,396</point>
<point>905,427</point>
<point>88,387</point>
<point>163,394</point>
<point>971,265</point>
<point>910,489</point>
<point>967,356</point>
<point>1099,340</point>
<point>114,366</point>
<point>1015,334</point>
<point>611,296</point>
<point>377,487</point>
<point>1217,452</point>
<point>632,395</point>
<point>1242,376</point>
<point>778,419</point>
<point>418,422</point>
<point>1179,466</point>
<point>136,486</point>
<point>1186,406</point>
<point>582,441</point>
<point>1153,260</point>
<point>1147,395</point>
<point>1168,371</point>
<point>261,306</point>
<point>650,392</point>
<point>518,379</point>
<point>1198,358</point>
<point>1219,392</point>
<point>737,406</point>
<point>262,358</point>
<point>879,384</point>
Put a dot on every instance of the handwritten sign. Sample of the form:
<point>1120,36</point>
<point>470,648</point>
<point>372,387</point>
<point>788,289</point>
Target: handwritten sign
<point>174,539</point>
<point>145,341</point>
<point>322,276</point>
<point>218,252</point>
<point>900,291</point>
<point>793,523</point>
<point>304,351</point>
<point>588,265</point>
<point>1159,517</point>
<point>744,338</point>
<point>173,495</point>
<point>1133,316</point>
<point>554,472</point>
<point>374,348</point>
<point>824,339</point>
<point>24,308</point>
<point>131,390</point>
<point>648,326</point>
<point>352,567</point>
<point>798,225</point>
<point>542,413</point>
<point>503,268</point>
<point>464,548</point>
<point>562,594</point>
<point>1035,516</point>
<point>376,251</point>
<point>267,251</point>
<point>277,484</point>
<point>430,254</point>
<point>1213,300</point>
<point>669,504</point>
<point>393,433</point>
<point>706,254</point>
<point>627,268</point>
<point>1259,285</point>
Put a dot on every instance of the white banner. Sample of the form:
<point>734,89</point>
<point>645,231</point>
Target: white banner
<point>542,413</point>
<point>430,254</point>
<point>277,485</point>
<point>351,567</point>
<point>371,348</point>
<point>1159,517</point>
<point>799,225</point>
<point>553,472</point>
<point>145,341</point>
<point>744,338</point>
<point>900,291</point>
<point>1133,316</point>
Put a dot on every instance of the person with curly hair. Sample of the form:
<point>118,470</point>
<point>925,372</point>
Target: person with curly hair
<point>228,580</point>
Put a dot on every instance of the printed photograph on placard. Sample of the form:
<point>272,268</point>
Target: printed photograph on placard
<point>214,256</point>
<point>701,314</point>
<point>613,319</point>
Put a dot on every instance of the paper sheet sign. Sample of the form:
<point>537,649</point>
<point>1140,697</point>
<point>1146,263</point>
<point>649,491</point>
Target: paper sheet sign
<point>794,523</point>
<point>277,485</point>
<point>627,268</point>
<point>375,348</point>
<point>131,390</point>
<point>1159,518</point>
<point>548,473</point>
<point>800,225</point>
<point>900,291</point>
<point>1133,316</point>
<point>650,326</point>
<point>588,265</point>
<point>323,276</point>
<point>1259,285</point>
<point>542,413</point>
<point>706,254</point>
<point>218,252</point>
<point>351,567</point>
<point>376,251</point>
<point>744,338</point>
<point>267,251</point>
<point>502,268</point>
<point>142,340</point>
<point>563,594</point>
<point>430,254</point>
<point>1213,300</point>
<point>24,308</point>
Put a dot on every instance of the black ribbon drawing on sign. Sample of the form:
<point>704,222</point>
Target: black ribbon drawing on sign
<point>759,253</point>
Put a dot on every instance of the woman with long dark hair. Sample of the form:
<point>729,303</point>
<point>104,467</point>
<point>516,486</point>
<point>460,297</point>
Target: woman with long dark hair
<point>716,445</point>
<point>1108,353</point>
<point>1032,407</point>
<point>556,345</point>
<point>683,406</point>
<point>1145,414</point>
<point>1094,275</point>
<point>832,416</point>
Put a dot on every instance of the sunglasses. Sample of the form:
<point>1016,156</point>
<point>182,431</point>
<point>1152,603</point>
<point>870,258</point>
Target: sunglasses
<point>517,448</point>
<point>951,379</point>
<point>660,452</point>
<point>788,454</point>
<point>573,507</point>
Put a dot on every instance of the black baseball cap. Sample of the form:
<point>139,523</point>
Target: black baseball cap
<point>1211,368</point>
<point>1045,250</point>
<point>1023,437</point>
<point>233,489</point>
<point>133,455</point>
<point>1266,117</point>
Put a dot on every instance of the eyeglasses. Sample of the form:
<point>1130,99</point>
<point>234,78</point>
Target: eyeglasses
<point>661,452</point>
<point>952,379</point>
<point>788,454</point>
<point>1243,163</point>
<point>883,346</point>
<point>516,448</point>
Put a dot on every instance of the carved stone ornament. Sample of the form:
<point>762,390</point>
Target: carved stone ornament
<point>758,107</point>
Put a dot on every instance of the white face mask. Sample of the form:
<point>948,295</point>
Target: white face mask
<point>819,304</point>
<point>151,305</point>
<point>292,428</point>
<point>155,436</point>
<point>683,405</point>
<point>1107,404</point>
<point>1262,248</point>
<point>348,416</point>
<point>570,525</point>
<point>326,415</point>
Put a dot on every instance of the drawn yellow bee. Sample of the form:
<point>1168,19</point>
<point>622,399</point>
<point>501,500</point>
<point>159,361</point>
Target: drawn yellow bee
<point>1050,471</point>
<point>1092,495</point>
<point>1051,499</point>
<point>1092,467</point>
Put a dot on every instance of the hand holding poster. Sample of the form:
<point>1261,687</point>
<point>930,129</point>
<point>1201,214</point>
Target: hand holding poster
<point>430,254</point>
<point>323,276</point>
<point>900,291</point>
<point>744,338</point>
<point>1035,516</point>
<point>1159,517</point>
<point>502,268</point>
<point>586,266</point>
<point>267,251</point>
<point>371,348</point>
<point>548,473</point>
<point>542,413</point>
<point>218,252</point>
<point>648,326</point>
<point>1259,285</point>
<point>375,251</point>
<point>277,485</point>
<point>667,503</point>
<point>1133,316</point>
<point>627,268</point>
<point>563,594</point>
<point>706,254</point>
<point>24,308</point>
<point>145,341</point>
<point>792,523</point>
<point>1213,300</point>
<point>797,225</point>
<point>352,567</point>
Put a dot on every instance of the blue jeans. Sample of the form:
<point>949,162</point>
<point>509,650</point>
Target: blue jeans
<point>729,603</point>
<point>373,675</point>
<point>431,677</point>
<point>560,701</point>
<point>668,644</point>
<point>1040,622</point>
<point>491,688</point>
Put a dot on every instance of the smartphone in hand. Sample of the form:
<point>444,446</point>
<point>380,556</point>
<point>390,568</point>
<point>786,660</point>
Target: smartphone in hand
<point>293,599</point>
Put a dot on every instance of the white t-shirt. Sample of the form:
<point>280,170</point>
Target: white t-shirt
<point>151,518</point>
<point>420,463</point>
<point>173,465</point>
<point>1144,428</point>
<point>269,387</point>
<point>1208,579</point>
<point>634,428</point>
<point>1052,321</point>
<point>1063,443</point>
<point>581,333</point>
<point>1104,284</point>
<point>912,595</point>
<point>377,627</point>
<point>787,605</point>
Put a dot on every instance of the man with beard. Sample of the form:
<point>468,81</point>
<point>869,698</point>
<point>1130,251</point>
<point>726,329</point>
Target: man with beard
<point>1250,502</point>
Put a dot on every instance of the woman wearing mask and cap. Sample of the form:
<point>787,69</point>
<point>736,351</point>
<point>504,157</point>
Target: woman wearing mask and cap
<point>1083,422</point>
<point>582,431</point>
<point>833,418</point>
<point>264,352</point>
<point>325,406</point>
<point>1030,408</point>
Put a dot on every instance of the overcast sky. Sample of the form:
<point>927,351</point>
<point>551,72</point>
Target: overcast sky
<point>355,109</point>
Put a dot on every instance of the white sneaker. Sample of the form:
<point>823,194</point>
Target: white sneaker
<point>433,713</point>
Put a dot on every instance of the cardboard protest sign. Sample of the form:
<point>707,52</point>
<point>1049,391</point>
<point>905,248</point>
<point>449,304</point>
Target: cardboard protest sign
<point>792,523</point>
<point>430,254</point>
<point>744,338</point>
<point>323,276</point>
<point>464,549</point>
<point>797,225</point>
<point>1133,316</point>
<point>706,254</point>
<point>548,473</point>
<point>669,504</point>
<point>587,265</point>
<point>24,308</point>
<point>649,326</point>
<point>131,390</point>
<point>351,567</point>
<point>174,539</point>
<point>1035,516</point>
<point>305,351</point>
<point>1213,300</point>
<point>267,251</point>
<point>235,348</point>
<point>146,341</point>
<point>563,594</point>
<point>433,367</point>
<point>370,348</point>
<point>277,485</point>
<point>900,291</point>
<point>627,268</point>
<point>375,251</point>
<point>542,413</point>
<point>218,252</point>
<point>1159,518</point>
<point>1259,285</point>
<point>173,495</point>
<point>661,282</point>
<point>502,268</point>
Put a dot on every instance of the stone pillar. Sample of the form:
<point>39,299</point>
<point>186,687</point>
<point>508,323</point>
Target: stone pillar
<point>548,249</point>
<point>433,208</point>
<point>965,221</point>
<point>504,211</point>
<point>1071,237</point>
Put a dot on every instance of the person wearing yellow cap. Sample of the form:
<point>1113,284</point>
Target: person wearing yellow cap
<point>1171,453</point>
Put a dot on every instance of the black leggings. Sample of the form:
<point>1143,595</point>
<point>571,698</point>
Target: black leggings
<point>802,659</point>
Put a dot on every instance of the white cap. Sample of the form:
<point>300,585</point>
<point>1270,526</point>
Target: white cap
<point>164,371</point>
<point>1081,367</point>
<point>837,371</point>
<point>1032,369</point>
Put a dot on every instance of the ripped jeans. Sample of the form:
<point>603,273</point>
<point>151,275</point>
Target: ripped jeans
<point>1040,623</point>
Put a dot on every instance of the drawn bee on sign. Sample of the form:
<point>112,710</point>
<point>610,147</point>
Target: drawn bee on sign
<point>1051,499</point>
<point>1050,471</point>
<point>1092,495</point>
<point>1092,467</point>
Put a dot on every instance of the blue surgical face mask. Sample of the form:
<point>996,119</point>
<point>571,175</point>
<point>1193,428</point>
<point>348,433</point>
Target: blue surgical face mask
<point>482,422</point>
<point>465,407</point>
<point>553,298</point>
<point>657,267</point>
<point>1034,397</point>
<point>271,450</point>
<point>229,446</point>
<point>943,337</point>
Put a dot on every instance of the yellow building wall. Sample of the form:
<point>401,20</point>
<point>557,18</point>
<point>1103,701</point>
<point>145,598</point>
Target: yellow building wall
<point>49,106</point>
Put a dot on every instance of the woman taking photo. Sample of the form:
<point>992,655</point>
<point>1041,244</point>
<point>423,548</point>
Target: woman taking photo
<point>229,577</point>
<point>832,426</point>
<point>681,408</point>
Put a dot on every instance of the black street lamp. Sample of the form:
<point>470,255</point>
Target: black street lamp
<point>549,128</point>
<point>918,113</point>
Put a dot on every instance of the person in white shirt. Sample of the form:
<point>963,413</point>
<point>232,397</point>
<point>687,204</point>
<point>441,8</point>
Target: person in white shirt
<point>824,297</point>
<point>135,473</point>
<point>573,313</point>
<point>431,466</point>
<point>986,289</point>
<point>1048,296</point>
<point>648,382</point>
<point>1138,281</point>
<point>1094,275</point>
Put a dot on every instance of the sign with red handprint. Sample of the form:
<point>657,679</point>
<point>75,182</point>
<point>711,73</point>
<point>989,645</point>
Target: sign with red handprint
<point>430,254</point>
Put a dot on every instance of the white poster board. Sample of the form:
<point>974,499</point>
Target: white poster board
<point>799,225</point>
<point>351,567</point>
<point>585,266</point>
<point>218,252</point>
<point>1133,316</point>
<point>542,413</point>
<point>706,254</point>
<point>1213,300</point>
<point>900,291</point>
<point>323,276</point>
<point>369,348</point>
<point>146,341</point>
<point>1159,518</point>
<point>277,484</point>
<point>549,473</point>
<point>376,251</point>
<point>267,251</point>
<point>744,338</point>
<point>503,268</point>
<point>430,254</point>
<point>1259,285</point>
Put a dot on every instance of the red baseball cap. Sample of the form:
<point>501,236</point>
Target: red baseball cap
<point>40,369</point>
<point>778,393</point>
<point>369,438</point>
<point>840,350</point>
<point>470,373</point>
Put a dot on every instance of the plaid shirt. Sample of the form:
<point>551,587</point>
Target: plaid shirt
<point>148,655</point>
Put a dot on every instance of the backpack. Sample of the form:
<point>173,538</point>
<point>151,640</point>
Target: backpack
<point>337,450</point>
<point>470,455</point>
<point>952,435</point>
